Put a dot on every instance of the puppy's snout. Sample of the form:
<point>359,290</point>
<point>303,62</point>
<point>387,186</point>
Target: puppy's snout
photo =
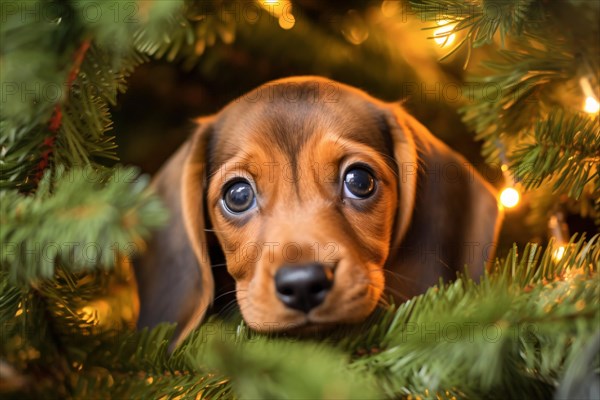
<point>303,287</point>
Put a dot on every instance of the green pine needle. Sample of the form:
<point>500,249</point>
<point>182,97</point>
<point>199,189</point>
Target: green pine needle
<point>82,218</point>
<point>566,149</point>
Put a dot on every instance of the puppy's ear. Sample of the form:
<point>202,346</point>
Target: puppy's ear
<point>174,277</point>
<point>448,216</point>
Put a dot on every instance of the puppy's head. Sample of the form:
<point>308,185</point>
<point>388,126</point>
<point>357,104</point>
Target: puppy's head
<point>302,194</point>
<point>309,186</point>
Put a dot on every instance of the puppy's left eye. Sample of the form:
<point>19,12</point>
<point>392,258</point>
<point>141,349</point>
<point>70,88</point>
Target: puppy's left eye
<point>358,183</point>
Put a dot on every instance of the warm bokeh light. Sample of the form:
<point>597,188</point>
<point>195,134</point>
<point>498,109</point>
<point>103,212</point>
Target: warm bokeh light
<point>287,21</point>
<point>277,8</point>
<point>591,105</point>
<point>509,197</point>
<point>558,254</point>
<point>441,36</point>
<point>354,28</point>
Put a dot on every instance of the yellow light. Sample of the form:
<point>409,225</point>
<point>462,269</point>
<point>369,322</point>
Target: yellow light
<point>591,105</point>
<point>509,197</point>
<point>287,21</point>
<point>354,28</point>
<point>558,254</point>
<point>277,8</point>
<point>441,36</point>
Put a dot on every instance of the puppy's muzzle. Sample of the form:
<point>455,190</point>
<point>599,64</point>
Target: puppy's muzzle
<point>303,287</point>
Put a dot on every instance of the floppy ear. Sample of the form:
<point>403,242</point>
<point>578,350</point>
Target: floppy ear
<point>174,277</point>
<point>448,216</point>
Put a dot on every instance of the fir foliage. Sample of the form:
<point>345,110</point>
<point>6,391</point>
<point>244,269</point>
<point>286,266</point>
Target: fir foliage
<point>66,312</point>
<point>504,337</point>
<point>481,20</point>
<point>526,101</point>
<point>565,145</point>
<point>81,219</point>
<point>55,112</point>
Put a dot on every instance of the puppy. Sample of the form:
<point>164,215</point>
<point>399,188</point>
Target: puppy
<point>322,199</point>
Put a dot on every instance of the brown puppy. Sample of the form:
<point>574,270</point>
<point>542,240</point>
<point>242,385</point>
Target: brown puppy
<point>321,198</point>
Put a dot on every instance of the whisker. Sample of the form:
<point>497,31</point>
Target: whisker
<point>225,294</point>
<point>400,277</point>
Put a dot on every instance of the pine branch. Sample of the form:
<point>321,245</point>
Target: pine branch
<point>56,113</point>
<point>531,314</point>
<point>518,92</point>
<point>480,20</point>
<point>88,220</point>
<point>198,26</point>
<point>565,147</point>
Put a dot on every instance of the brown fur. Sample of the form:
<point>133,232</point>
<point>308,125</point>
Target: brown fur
<point>293,139</point>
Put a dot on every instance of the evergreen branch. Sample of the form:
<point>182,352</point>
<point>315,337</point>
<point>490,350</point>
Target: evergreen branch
<point>540,311</point>
<point>256,373</point>
<point>481,20</point>
<point>565,147</point>
<point>64,91</point>
<point>531,314</point>
<point>198,26</point>
<point>55,121</point>
<point>86,221</point>
<point>522,87</point>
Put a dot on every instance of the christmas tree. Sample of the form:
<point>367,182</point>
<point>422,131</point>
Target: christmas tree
<point>522,75</point>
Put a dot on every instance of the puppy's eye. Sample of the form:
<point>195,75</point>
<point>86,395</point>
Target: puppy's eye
<point>358,183</point>
<point>239,197</point>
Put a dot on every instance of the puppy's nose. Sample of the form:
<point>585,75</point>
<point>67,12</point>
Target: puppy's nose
<point>303,287</point>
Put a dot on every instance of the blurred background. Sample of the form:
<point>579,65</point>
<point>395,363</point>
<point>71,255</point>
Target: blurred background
<point>381,47</point>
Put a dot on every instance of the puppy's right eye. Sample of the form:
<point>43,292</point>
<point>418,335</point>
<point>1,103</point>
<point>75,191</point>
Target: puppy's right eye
<point>239,197</point>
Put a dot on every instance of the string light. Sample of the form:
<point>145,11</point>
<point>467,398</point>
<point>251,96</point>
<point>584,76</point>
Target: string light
<point>558,254</point>
<point>282,10</point>
<point>559,231</point>
<point>287,22</point>
<point>509,197</point>
<point>442,34</point>
<point>590,105</point>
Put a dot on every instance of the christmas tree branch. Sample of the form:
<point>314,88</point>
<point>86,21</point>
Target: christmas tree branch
<point>67,92</point>
<point>531,313</point>
<point>481,20</point>
<point>565,147</point>
<point>87,220</point>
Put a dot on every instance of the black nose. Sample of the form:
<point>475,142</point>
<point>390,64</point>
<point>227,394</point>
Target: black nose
<point>303,287</point>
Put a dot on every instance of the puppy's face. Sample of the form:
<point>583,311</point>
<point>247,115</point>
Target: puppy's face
<point>302,195</point>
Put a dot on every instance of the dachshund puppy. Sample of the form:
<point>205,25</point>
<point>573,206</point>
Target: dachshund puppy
<point>322,199</point>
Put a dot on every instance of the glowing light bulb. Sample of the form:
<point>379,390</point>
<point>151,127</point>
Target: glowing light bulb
<point>277,8</point>
<point>509,197</point>
<point>591,105</point>
<point>441,34</point>
<point>287,21</point>
<point>558,254</point>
